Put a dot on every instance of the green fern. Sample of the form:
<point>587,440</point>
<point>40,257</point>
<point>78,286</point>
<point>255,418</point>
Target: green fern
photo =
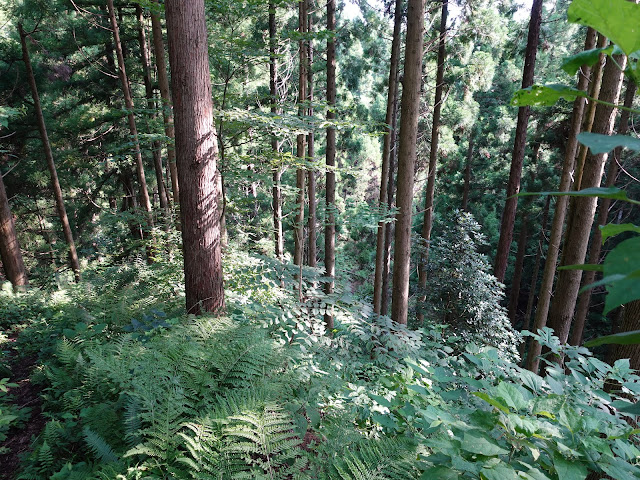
<point>99,447</point>
<point>376,460</point>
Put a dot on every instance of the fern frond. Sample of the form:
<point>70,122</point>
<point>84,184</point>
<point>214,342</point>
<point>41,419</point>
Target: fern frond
<point>99,447</point>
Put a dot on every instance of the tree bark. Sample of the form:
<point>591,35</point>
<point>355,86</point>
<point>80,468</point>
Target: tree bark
<point>555,236</point>
<point>427,222</point>
<point>300,144</point>
<point>55,183</point>
<point>311,174</point>
<point>122,73</point>
<point>381,251</point>
<point>406,159</point>
<point>514,296</point>
<point>278,239</point>
<point>575,244</point>
<point>197,151</point>
<point>589,276</point>
<point>9,246</point>
<point>156,148</point>
<point>519,145</point>
<point>630,322</point>
<point>330,223</point>
<point>165,94</point>
<point>467,174</point>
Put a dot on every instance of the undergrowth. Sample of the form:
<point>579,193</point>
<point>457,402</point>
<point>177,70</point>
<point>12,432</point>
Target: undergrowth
<point>135,389</point>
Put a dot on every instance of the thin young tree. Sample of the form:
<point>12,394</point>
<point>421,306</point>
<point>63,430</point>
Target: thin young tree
<point>427,222</point>
<point>48,153</point>
<point>381,256</point>
<point>133,130</point>
<point>330,187</point>
<point>300,143</point>
<point>409,108</point>
<point>197,155</point>
<point>10,253</point>
<point>311,174</point>
<point>519,146</point>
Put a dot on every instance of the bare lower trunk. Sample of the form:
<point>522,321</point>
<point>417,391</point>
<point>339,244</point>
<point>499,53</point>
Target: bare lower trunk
<point>55,183</point>
<point>433,164</point>
<point>383,227</point>
<point>596,241</point>
<point>278,239</point>
<point>467,173</point>
<point>514,296</point>
<point>197,149</point>
<point>300,147</point>
<point>163,82</point>
<point>9,246</point>
<point>630,322</point>
<point>311,175</point>
<point>575,244</point>
<point>513,186</point>
<point>406,159</point>
<point>555,236</point>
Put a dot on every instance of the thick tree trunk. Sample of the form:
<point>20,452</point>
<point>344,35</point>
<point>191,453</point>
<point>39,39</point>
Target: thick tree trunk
<point>197,151</point>
<point>575,244</point>
<point>278,239</point>
<point>144,192</point>
<point>406,159</point>
<point>555,236</point>
<point>330,222</point>
<point>630,322</point>
<point>378,282</point>
<point>300,144</point>
<point>9,246</point>
<point>588,277</point>
<point>165,94</point>
<point>519,145</point>
<point>467,173</point>
<point>156,147</point>
<point>311,174</point>
<point>427,222</point>
<point>514,296</point>
<point>55,183</point>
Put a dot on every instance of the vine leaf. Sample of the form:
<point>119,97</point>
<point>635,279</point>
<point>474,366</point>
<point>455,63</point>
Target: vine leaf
<point>545,95</point>
<point>599,143</point>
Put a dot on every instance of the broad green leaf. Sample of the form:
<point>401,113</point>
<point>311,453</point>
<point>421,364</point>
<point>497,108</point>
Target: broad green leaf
<point>491,401</point>
<point>572,64</point>
<point>619,469</point>
<point>588,267</point>
<point>568,470</point>
<point>381,400</point>
<point>626,407</point>
<point>440,472</point>
<point>501,471</point>
<point>602,192</point>
<point>545,95</point>
<point>511,395</point>
<point>599,143</point>
<point>623,260</point>
<point>481,445</point>
<point>384,420</point>
<point>617,20</point>
<point>614,229</point>
<point>625,338</point>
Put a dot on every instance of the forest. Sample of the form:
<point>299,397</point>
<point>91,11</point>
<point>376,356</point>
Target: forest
<point>319,239</point>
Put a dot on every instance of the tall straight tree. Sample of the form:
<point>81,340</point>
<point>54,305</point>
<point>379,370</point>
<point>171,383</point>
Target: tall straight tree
<point>433,158</point>
<point>278,239</point>
<point>409,109</point>
<point>133,130</point>
<point>311,175</point>
<point>555,236</point>
<point>519,145</point>
<point>577,237</point>
<point>165,94</point>
<point>197,155</point>
<point>330,188</point>
<point>10,253</point>
<point>381,256</point>
<point>55,183</point>
<point>300,144</point>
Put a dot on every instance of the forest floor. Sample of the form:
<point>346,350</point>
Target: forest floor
<point>25,396</point>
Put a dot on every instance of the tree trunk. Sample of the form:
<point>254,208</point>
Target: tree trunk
<point>55,183</point>
<point>555,236</point>
<point>163,82</point>
<point>197,150</point>
<point>433,164</point>
<point>300,150</point>
<point>311,174</point>
<point>575,244</point>
<point>467,174</point>
<point>514,296</point>
<point>589,276</point>
<point>519,145</point>
<point>9,246</point>
<point>410,107</point>
<point>144,192</point>
<point>330,223</point>
<point>630,322</point>
<point>275,145</point>
<point>378,282</point>
<point>526,322</point>
<point>156,147</point>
